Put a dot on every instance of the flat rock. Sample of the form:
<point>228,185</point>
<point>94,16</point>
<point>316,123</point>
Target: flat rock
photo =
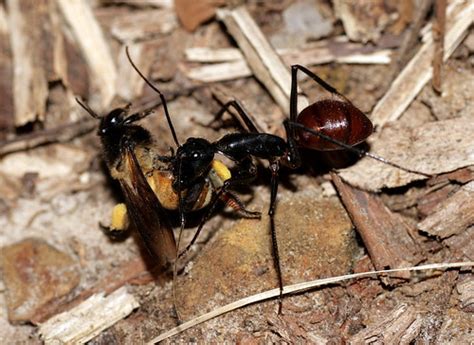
<point>315,239</point>
<point>34,274</point>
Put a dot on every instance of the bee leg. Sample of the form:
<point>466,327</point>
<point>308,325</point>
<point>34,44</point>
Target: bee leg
<point>119,223</point>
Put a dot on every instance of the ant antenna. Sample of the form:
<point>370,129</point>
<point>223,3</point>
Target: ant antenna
<point>86,107</point>
<point>355,149</point>
<point>162,97</point>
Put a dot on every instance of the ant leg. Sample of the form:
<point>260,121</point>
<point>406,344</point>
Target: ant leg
<point>244,117</point>
<point>235,203</point>
<point>292,157</point>
<point>274,167</point>
<point>329,88</point>
<point>220,113</point>
<point>204,220</point>
<point>227,197</point>
<point>244,176</point>
<point>294,96</point>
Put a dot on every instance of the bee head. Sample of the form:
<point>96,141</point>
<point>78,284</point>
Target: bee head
<point>115,119</point>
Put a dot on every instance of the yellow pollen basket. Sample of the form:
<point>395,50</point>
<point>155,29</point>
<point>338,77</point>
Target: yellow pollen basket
<point>119,217</point>
<point>221,170</point>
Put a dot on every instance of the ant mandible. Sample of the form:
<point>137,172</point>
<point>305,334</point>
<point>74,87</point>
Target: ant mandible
<point>328,124</point>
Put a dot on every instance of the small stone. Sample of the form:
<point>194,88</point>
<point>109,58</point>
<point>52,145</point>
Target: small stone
<point>34,274</point>
<point>303,21</point>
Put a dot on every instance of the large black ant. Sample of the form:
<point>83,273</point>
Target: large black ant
<point>328,124</point>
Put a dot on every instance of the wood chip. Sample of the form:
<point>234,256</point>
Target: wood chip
<point>418,71</point>
<point>363,21</point>
<point>434,148</point>
<point>143,25</point>
<point>38,56</point>
<point>462,245</point>
<point>134,271</point>
<point>385,235</point>
<point>228,63</point>
<point>452,216</point>
<point>261,57</point>
<point>465,289</point>
<point>89,36</point>
<point>6,75</point>
<point>220,72</point>
<point>401,326</point>
<point>88,319</point>
<point>208,55</point>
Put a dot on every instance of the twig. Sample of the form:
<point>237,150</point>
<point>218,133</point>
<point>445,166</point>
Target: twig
<point>59,134</point>
<point>418,71</point>
<point>297,288</point>
<point>261,57</point>
<point>229,63</point>
<point>439,30</point>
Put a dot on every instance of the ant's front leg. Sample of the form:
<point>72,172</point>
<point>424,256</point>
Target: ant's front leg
<point>247,172</point>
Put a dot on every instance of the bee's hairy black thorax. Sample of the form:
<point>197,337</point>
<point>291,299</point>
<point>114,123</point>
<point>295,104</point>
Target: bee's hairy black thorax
<point>115,140</point>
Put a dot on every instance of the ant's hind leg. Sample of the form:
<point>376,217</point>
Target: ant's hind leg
<point>274,167</point>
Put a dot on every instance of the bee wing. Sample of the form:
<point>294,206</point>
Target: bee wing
<point>146,212</point>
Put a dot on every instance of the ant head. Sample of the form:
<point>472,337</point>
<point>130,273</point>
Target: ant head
<point>193,160</point>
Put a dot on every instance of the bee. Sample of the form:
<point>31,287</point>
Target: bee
<point>130,155</point>
<point>149,184</point>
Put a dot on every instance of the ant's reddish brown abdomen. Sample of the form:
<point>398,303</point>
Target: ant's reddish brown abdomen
<point>340,120</point>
